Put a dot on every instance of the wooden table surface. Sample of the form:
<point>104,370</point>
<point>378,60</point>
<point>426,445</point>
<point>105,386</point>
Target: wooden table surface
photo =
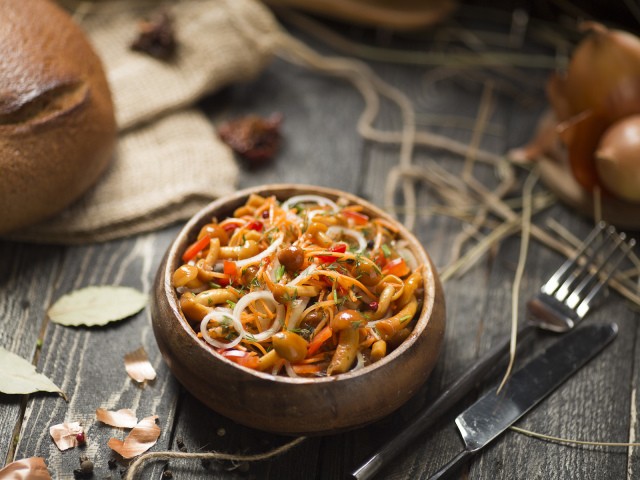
<point>321,146</point>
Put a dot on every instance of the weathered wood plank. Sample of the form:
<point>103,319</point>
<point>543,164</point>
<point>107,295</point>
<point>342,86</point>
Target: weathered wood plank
<point>25,288</point>
<point>321,146</point>
<point>88,363</point>
<point>581,408</point>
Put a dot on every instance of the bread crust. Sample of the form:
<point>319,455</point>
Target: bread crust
<point>57,125</point>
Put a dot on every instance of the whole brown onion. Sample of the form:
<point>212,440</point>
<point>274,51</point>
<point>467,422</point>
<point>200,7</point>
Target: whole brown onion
<point>600,87</point>
<point>618,158</point>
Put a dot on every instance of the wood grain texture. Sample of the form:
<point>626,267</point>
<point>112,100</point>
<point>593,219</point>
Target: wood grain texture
<point>321,146</point>
<point>27,272</point>
<point>88,363</point>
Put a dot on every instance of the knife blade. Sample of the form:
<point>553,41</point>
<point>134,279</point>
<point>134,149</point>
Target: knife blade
<point>493,413</point>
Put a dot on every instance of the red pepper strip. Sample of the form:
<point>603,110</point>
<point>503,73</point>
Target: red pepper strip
<point>397,267</point>
<point>229,268</point>
<point>246,359</point>
<point>338,248</point>
<point>323,335</point>
<point>357,217</point>
<point>223,281</point>
<point>195,248</point>
<point>255,225</point>
<point>230,226</point>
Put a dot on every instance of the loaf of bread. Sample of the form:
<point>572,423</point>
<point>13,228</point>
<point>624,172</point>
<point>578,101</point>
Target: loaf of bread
<point>57,126</point>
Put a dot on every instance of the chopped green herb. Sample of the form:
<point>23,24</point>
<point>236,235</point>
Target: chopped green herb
<point>214,285</point>
<point>303,332</point>
<point>290,298</point>
<point>279,273</point>
<point>405,318</point>
<point>386,250</point>
<point>231,304</point>
<point>339,300</point>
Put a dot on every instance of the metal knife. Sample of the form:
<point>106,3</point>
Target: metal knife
<point>493,413</point>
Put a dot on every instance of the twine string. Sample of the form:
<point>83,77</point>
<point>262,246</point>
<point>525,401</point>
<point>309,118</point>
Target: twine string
<point>168,455</point>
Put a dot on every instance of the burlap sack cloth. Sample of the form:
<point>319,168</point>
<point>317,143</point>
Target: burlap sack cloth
<point>169,161</point>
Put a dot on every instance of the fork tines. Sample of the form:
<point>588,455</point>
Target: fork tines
<point>569,294</point>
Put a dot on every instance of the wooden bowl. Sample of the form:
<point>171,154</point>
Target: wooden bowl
<point>294,405</point>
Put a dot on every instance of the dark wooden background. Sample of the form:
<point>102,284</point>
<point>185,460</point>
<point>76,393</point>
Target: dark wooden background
<point>321,146</point>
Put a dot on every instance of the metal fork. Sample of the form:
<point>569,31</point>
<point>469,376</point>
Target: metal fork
<point>570,292</point>
<point>562,302</point>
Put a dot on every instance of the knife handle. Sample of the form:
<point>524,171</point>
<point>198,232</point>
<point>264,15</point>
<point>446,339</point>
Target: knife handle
<point>444,402</point>
<point>453,466</point>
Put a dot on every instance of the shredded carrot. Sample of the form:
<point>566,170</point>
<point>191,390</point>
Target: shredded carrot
<point>325,334</point>
<point>345,280</point>
<point>311,369</point>
<point>294,255</point>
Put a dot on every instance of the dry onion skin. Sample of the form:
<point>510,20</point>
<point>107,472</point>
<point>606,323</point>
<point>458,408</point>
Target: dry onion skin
<point>138,366</point>
<point>140,439</point>
<point>123,418</point>
<point>67,435</point>
<point>304,288</point>
<point>32,468</point>
<point>600,88</point>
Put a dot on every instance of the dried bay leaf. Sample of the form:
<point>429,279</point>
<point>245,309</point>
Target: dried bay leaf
<point>18,376</point>
<point>138,366</point>
<point>143,436</point>
<point>123,418</point>
<point>97,305</point>
<point>32,468</point>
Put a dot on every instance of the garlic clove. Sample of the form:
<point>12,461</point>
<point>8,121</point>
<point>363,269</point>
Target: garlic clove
<point>617,159</point>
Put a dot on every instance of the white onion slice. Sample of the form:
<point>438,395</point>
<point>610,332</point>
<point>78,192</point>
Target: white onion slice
<point>244,303</point>
<point>297,307</point>
<point>274,328</point>
<point>273,269</point>
<point>303,275</point>
<point>290,371</point>
<point>318,199</point>
<point>359,361</point>
<point>265,253</point>
<point>335,232</point>
<point>408,256</point>
<point>292,217</point>
<point>218,315</point>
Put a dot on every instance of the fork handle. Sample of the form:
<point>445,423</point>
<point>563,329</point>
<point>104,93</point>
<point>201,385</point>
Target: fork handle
<point>444,402</point>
